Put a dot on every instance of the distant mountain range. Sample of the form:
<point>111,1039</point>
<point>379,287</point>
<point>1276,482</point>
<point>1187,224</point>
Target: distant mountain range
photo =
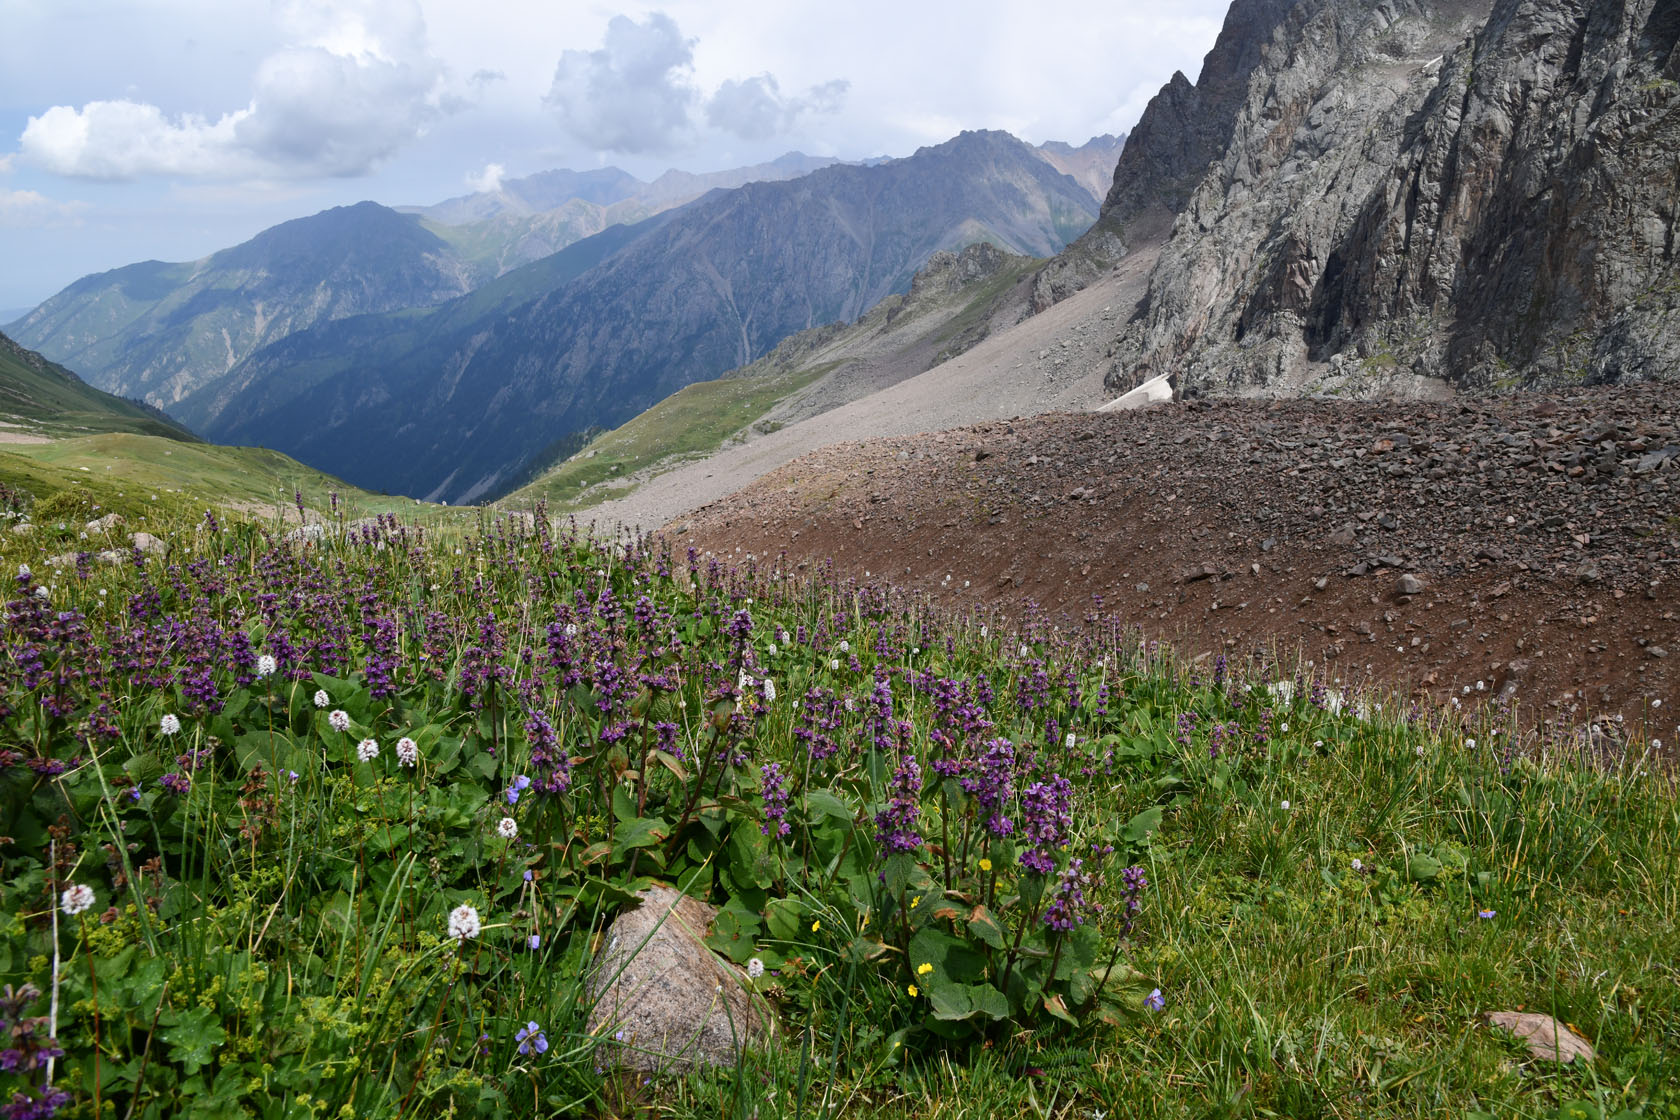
<point>160,331</point>
<point>164,331</point>
<point>524,220</point>
<point>452,402</point>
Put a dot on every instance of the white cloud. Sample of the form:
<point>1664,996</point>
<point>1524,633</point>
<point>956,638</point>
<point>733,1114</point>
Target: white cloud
<point>636,93</point>
<point>31,209</point>
<point>488,180</point>
<point>6,163</point>
<point>631,95</point>
<point>754,109</point>
<point>352,86</point>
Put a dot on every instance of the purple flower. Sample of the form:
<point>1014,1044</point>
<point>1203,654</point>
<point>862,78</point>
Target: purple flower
<point>1154,1001</point>
<point>520,784</point>
<point>993,783</point>
<point>895,826</point>
<point>1132,885</point>
<point>178,784</point>
<point>775,794</point>
<point>1068,908</point>
<point>536,938</point>
<point>1046,817</point>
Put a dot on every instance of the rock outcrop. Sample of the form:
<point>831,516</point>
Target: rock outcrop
<point>661,1000</point>
<point>1388,196</point>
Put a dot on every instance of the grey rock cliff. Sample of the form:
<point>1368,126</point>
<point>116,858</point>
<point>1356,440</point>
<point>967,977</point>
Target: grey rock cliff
<point>1411,194</point>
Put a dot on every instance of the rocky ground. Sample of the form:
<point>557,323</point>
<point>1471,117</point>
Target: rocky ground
<point>1525,548</point>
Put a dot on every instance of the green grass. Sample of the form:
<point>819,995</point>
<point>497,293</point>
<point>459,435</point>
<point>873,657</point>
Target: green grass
<point>694,421</point>
<point>44,398</point>
<point>121,472</point>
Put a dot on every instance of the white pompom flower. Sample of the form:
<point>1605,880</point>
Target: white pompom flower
<point>266,665</point>
<point>169,724</point>
<point>507,828</point>
<point>755,969</point>
<point>408,751</point>
<point>338,719</point>
<point>77,898</point>
<point>464,923</point>
<point>321,698</point>
<point>367,750</point>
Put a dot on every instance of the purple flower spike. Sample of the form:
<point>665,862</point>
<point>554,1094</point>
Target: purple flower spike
<point>895,826</point>
<point>775,794</point>
<point>1046,817</point>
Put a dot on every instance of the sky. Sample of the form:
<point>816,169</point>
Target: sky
<point>167,129</point>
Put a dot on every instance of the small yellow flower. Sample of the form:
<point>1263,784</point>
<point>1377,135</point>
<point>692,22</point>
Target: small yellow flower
<point>915,902</point>
<point>923,969</point>
<point>816,925</point>
<point>913,990</point>
<point>985,865</point>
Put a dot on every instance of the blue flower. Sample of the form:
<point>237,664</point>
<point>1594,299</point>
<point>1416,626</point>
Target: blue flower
<point>520,784</point>
<point>531,1038</point>
<point>1486,914</point>
<point>1154,1001</point>
<point>536,941</point>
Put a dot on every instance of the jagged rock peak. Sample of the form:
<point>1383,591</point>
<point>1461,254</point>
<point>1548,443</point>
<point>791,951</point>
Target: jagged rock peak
<point>1411,191</point>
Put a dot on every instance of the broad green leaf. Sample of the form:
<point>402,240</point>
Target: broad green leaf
<point>983,926</point>
<point>1143,824</point>
<point>641,832</point>
<point>825,803</point>
<point>782,918</point>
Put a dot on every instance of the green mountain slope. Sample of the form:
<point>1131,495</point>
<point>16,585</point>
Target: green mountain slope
<point>952,305</point>
<point>44,398</point>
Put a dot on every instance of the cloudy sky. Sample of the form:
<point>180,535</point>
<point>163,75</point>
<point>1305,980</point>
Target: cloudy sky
<point>171,128</point>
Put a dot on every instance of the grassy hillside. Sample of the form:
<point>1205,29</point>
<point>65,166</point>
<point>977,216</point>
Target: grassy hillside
<point>44,398</point>
<point>692,422</point>
<point>122,471</point>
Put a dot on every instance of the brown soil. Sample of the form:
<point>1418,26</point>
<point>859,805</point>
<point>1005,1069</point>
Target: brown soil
<point>1545,533</point>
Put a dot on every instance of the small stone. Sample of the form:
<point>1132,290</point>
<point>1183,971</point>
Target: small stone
<point>1199,572</point>
<point>1656,651</point>
<point>1410,584</point>
<point>1321,583</point>
<point>105,524</point>
<point>1588,573</point>
<point>145,542</point>
<point>1547,1038</point>
<point>1344,536</point>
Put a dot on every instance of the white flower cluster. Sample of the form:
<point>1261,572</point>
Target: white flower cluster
<point>321,698</point>
<point>507,828</point>
<point>169,724</point>
<point>266,665</point>
<point>367,750</point>
<point>338,719</point>
<point>77,898</point>
<point>408,751</point>
<point>464,923</point>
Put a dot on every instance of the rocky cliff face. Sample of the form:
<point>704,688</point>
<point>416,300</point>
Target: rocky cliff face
<point>1409,193</point>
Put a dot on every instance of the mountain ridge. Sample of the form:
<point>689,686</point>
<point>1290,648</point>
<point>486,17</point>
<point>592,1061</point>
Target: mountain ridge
<point>732,275</point>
